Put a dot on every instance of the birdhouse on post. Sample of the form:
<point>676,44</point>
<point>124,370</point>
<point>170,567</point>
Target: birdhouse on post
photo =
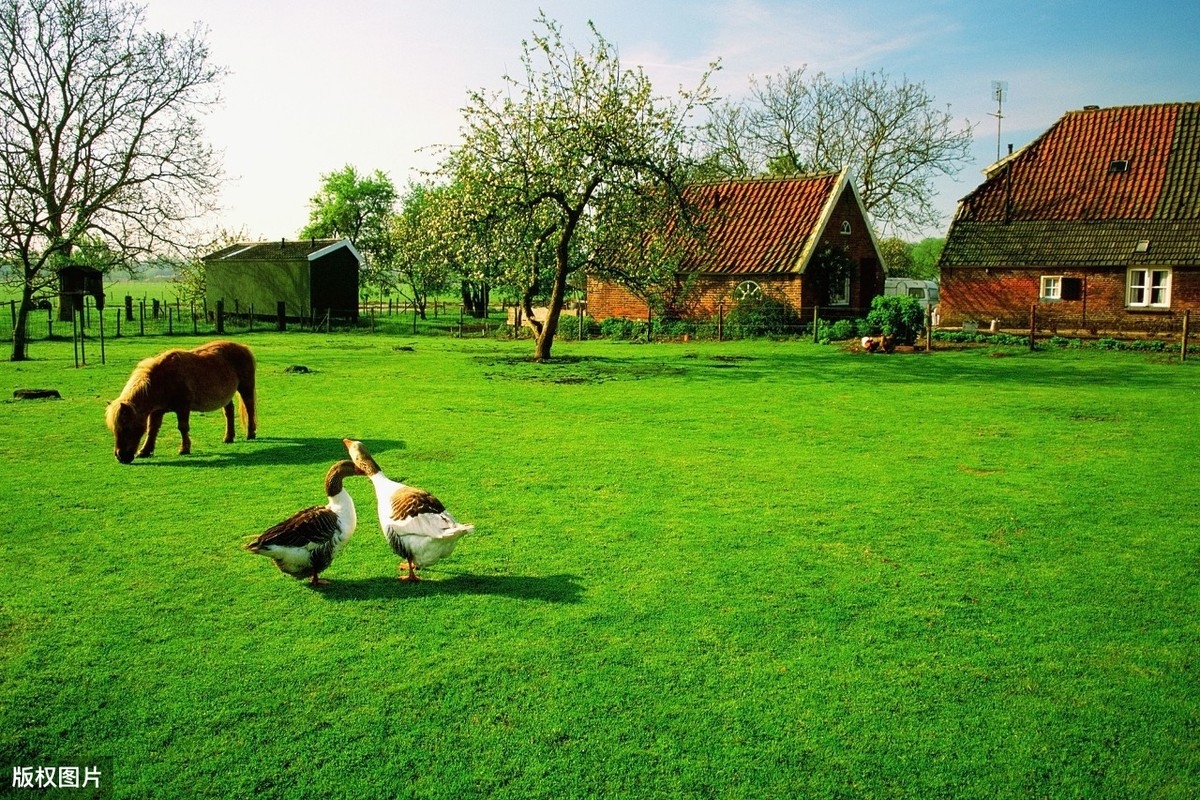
<point>74,283</point>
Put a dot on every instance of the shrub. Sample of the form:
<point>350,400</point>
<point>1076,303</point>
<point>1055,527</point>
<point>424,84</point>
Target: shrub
<point>838,331</point>
<point>618,328</point>
<point>897,315</point>
<point>762,315</point>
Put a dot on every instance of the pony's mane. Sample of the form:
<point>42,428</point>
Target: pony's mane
<point>139,379</point>
<point>135,388</point>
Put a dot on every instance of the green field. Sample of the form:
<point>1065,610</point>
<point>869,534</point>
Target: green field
<point>752,570</point>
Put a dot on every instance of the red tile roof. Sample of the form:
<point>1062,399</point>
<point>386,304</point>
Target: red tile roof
<point>761,225</point>
<point>1096,182</point>
<point>1067,174</point>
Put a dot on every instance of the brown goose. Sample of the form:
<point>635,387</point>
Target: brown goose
<point>415,523</point>
<point>304,544</point>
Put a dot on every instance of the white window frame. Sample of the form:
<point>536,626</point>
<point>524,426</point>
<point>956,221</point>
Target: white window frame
<point>846,229</point>
<point>1148,287</point>
<point>747,290</point>
<point>1051,287</point>
<point>844,298</point>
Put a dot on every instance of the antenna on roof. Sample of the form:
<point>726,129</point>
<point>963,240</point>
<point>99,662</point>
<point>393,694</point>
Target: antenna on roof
<point>999,90</point>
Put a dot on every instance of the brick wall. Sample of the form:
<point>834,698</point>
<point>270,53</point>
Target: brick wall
<point>707,292</point>
<point>1007,295</point>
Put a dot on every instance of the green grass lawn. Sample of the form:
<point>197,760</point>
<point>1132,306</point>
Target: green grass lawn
<point>753,569</point>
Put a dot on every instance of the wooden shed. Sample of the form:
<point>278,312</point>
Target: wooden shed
<point>311,277</point>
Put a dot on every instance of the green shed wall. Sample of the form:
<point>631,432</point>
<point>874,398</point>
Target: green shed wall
<point>261,284</point>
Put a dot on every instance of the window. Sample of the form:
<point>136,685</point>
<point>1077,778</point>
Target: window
<point>846,228</point>
<point>1148,288</point>
<point>917,291</point>
<point>747,290</point>
<point>840,295</point>
<point>1051,287</point>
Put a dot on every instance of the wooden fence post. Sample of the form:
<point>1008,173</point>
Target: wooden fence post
<point>1032,327</point>
<point>720,321</point>
<point>1187,318</point>
<point>816,324</point>
<point>220,316</point>
<point>129,308</point>
<point>929,329</point>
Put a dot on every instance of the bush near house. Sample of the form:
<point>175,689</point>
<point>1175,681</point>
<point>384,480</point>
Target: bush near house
<point>897,315</point>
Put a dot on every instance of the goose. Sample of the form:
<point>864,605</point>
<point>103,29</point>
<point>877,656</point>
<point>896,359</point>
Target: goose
<point>416,525</point>
<point>304,544</point>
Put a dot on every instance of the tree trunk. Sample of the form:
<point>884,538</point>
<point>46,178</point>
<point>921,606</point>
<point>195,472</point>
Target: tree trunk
<point>475,298</point>
<point>20,350</point>
<point>558,292</point>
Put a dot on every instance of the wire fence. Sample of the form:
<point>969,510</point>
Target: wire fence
<point>158,317</point>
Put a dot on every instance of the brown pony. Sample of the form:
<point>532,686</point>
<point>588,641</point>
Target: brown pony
<point>182,381</point>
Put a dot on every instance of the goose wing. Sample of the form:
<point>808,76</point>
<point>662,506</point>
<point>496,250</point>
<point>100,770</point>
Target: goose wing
<point>314,526</point>
<point>409,501</point>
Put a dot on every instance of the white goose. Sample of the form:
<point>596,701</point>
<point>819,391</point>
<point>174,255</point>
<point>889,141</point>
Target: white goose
<point>304,544</point>
<point>415,523</point>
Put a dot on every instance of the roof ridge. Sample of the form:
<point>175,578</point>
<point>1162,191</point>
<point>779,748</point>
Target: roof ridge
<point>806,176</point>
<point>1093,109</point>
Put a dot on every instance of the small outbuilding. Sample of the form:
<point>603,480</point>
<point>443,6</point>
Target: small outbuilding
<point>311,277</point>
<point>768,236</point>
<point>1095,225</point>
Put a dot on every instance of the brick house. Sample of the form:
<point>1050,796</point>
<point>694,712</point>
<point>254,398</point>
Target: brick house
<point>1095,225</point>
<point>761,236</point>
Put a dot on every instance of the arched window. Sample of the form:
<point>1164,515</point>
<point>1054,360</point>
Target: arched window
<point>846,228</point>
<point>747,290</point>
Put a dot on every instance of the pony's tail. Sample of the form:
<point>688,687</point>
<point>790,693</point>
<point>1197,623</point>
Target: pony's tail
<point>248,412</point>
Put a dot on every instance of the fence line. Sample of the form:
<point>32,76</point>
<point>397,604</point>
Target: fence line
<point>161,318</point>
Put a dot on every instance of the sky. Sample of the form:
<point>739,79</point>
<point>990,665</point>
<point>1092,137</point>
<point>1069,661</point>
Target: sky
<point>314,85</point>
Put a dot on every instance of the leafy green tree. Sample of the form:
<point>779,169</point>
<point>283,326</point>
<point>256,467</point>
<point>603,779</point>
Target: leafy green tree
<point>420,257</point>
<point>101,145</point>
<point>890,133</point>
<point>359,208</point>
<point>897,257</point>
<point>925,255</point>
<point>576,151</point>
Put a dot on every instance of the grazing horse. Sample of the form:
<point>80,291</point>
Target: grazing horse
<point>182,381</point>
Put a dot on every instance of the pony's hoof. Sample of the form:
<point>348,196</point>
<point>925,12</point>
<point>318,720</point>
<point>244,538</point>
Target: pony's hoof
<point>145,453</point>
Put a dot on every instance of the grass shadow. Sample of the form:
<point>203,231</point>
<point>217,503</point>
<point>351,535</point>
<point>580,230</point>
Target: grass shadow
<point>266,450</point>
<point>546,589</point>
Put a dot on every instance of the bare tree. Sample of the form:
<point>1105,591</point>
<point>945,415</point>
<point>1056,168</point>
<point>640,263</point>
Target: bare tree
<point>890,133</point>
<point>100,139</point>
